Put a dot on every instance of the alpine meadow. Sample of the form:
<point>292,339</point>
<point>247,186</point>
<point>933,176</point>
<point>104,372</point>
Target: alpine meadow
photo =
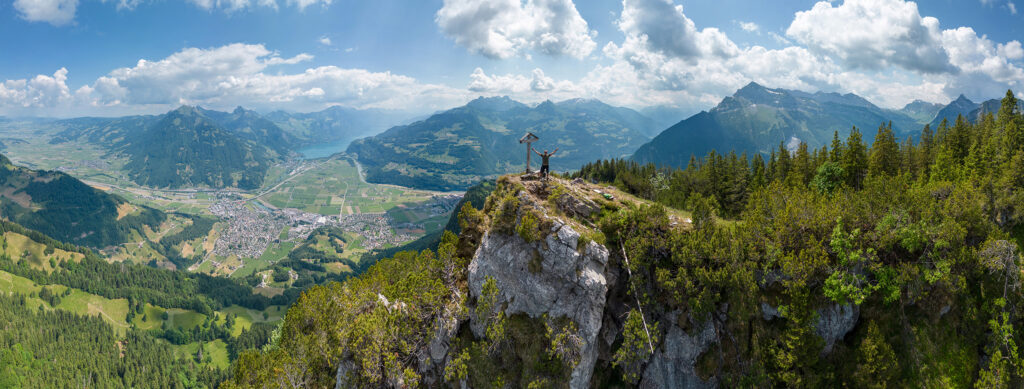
<point>506,194</point>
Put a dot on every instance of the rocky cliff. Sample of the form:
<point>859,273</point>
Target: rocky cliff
<point>540,262</point>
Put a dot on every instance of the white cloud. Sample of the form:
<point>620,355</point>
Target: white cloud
<point>1012,7</point>
<point>39,91</point>
<point>480,82</point>
<point>750,27</point>
<point>221,78</point>
<point>237,5</point>
<point>536,87</point>
<point>508,28</point>
<point>780,39</point>
<point>55,12</point>
<point>660,27</point>
<point>666,59</point>
<point>62,12</point>
<point>873,35</point>
<point>324,41</point>
<point>1011,50</point>
<point>987,68</point>
<point>540,82</point>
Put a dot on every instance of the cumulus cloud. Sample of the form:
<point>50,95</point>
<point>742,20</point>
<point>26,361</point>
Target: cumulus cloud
<point>666,58</point>
<point>55,12</point>
<point>224,77</point>
<point>659,26</point>
<point>507,28</point>
<point>533,88</point>
<point>883,50</point>
<point>988,68</point>
<point>873,34</point>
<point>39,91</point>
<point>324,41</point>
<point>671,56</point>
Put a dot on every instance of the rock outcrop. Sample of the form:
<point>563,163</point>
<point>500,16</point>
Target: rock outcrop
<point>834,322</point>
<point>567,283</point>
<point>673,363</point>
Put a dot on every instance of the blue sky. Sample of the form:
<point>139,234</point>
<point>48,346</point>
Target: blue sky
<point>82,57</point>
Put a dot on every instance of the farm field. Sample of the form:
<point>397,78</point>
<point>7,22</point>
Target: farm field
<point>334,188</point>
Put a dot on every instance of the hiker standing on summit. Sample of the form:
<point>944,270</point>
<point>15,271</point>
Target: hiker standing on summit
<point>544,158</point>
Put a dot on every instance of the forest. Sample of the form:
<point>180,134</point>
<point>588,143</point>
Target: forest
<point>919,237</point>
<point>45,348</point>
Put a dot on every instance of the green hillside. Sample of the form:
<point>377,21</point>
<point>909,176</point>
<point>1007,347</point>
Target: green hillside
<point>74,317</point>
<point>63,207</point>
<point>456,148</point>
<point>185,148</point>
<point>253,127</point>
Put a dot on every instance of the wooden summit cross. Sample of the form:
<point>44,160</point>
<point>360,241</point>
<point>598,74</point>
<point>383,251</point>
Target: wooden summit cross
<point>528,139</point>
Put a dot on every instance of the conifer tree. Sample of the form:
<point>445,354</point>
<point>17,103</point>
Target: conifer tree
<point>837,148</point>
<point>1009,121</point>
<point>801,172</point>
<point>855,159</point>
<point>782,166</point>
<point>885,153</point>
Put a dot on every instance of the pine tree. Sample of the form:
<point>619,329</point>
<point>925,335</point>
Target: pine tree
<point>837,148</point>
<point>801,172</point>
<point>1009,121</point>
<point>925,151</point>
<point>757,174</point>
<point>855,159</point>
<point>885,153</point>
<point>783,165</point>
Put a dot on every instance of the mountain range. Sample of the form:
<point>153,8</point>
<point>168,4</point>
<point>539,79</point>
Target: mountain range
<point>970,110</point>
<point>194,146</point>
<point>453,149</point>
<point>456,148</point>
<point>756,119</point>
<point>337,123</point>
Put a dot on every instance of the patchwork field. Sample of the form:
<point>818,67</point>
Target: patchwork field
<point>333,187</point>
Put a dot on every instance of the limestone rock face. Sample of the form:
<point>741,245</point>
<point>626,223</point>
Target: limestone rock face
<point>673,363</point>
<point>342,377</point>
<point>834,322</point>
<point>577,206</point>
<point>567,283</point>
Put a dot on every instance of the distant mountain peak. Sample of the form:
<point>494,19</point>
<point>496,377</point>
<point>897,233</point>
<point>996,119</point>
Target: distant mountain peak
<point>547,106</point>
<point>751,89</point>
<point>186,110</point>
<point>753,85</point>
<point>963,99</point>
<point>581,101</point>
<point>495,103</point>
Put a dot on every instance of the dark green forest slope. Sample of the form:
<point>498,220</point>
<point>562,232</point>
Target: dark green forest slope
<point>185,148</point>
<point>63,207</point>
<point>889,265</point>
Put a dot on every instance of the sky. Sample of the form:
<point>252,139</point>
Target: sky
<point>63,58</point>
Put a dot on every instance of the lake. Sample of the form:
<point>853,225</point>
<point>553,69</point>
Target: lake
<point>322,150</point>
